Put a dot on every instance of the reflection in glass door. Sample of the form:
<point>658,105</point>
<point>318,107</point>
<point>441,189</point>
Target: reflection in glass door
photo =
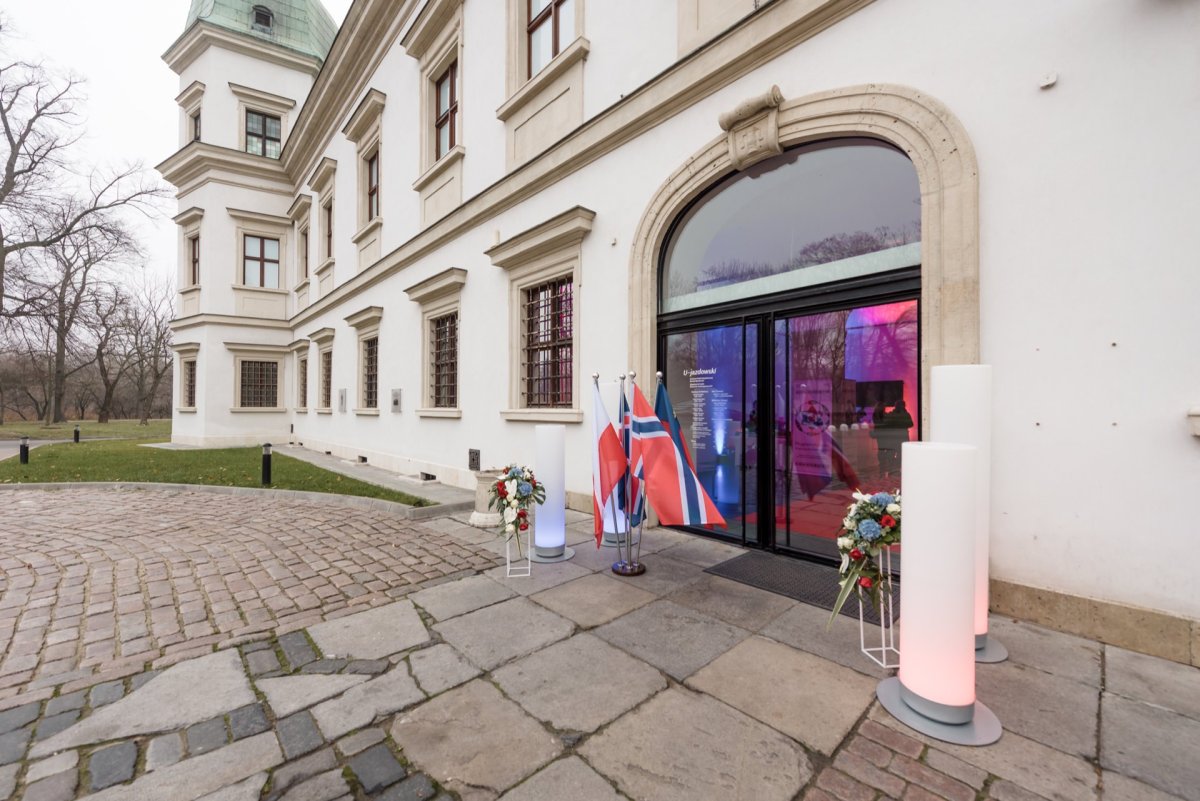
<point>846,385</point>
<point>712,375</point>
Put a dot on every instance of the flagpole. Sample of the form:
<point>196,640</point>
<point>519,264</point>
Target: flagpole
<point>624,480</point>
<point>612,501</point>
<point>642,522</point>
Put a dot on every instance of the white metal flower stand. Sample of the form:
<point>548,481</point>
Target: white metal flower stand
<point>523,567</point>
<point>886,654</point>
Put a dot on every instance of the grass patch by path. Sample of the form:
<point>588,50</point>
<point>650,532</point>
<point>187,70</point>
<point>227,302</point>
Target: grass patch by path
<point>88,429</point>
<point>225,467</point>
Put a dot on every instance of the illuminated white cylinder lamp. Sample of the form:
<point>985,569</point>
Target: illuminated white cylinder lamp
<point>961,411</point>
<point>550,517</point>
<point>934,691</point>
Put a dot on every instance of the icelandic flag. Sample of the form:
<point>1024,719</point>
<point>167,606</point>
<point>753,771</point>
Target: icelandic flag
<point>634,486</point>
<point>671,484</point>
<point>608,462</point>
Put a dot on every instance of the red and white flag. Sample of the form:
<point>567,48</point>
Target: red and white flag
<point>608,461</point>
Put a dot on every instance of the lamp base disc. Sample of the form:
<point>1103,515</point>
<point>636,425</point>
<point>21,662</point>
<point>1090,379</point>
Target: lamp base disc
<point>628,568</point>
<point>567,553</point>
<point>993,651</point>
<point>984,728</point>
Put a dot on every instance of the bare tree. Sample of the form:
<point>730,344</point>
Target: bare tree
<point>148,328</point>
<point>44,198</point>
<point>109,308</point>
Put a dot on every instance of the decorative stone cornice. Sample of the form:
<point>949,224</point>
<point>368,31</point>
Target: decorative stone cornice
<point>322,336</point>
<point>198,160</point>
<point>365,116</point>
<point>322,176</point>
<point>299,346</point>
<point>259,218</point>
<point>202,35</point>
<point>189,216</point>
<point>186,349</point>
<point>191,95</point>
<point>447,282</point>
<point>267,100</point>
<point>255,347</point>
<point>557,233</point>
<point>576,51</point>
<point>193,320</point>
<point>753,129</point>
<point>429,26</point>
<point>300,208</point>
<point>365,318</point>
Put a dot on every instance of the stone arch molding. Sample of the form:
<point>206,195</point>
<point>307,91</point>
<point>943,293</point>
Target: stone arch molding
<point>919,125</point>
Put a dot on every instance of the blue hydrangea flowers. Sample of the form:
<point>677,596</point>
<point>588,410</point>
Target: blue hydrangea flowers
<point>869,530</point>
<point>882,499</point>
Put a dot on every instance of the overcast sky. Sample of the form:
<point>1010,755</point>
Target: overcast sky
<point>116,46</point>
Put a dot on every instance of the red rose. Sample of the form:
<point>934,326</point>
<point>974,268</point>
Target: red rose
<point>524,526</point>
<point>887,521</point>
<point>865,583</point>
<point>856,554</point>
<point>502,492</point>
<point>522,513</point>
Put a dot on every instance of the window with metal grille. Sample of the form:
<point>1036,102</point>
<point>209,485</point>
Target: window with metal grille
<point>326,379</point>
<point>370,381</point>
<point>260,385</point>
<point>547,351</point>
<point>302,387</point>
<point>446,116</point>
<point>443,361</point>
<point>194,247</point>
<point>551,27</point>
<point>260,262</point>
<point>263,134</point>
<point>189,385</point>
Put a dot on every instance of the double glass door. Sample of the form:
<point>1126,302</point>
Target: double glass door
<point>788,413</point>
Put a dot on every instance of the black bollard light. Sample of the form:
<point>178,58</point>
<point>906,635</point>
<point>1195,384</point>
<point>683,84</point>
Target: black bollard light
<point>24,450</point>
<point>77,433</point>
<point>266,471</point>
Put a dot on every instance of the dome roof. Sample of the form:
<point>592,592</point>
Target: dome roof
<point>303,25</point>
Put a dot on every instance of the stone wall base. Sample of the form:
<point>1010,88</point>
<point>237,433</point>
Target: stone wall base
<point>1143,630</point>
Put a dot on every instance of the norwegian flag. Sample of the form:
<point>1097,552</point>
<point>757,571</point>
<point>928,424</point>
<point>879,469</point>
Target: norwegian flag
<point>608,462</point>
<point>672,487</point>
<point>634,486</point>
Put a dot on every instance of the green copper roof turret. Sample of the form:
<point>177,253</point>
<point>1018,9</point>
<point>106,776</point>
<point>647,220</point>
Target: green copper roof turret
<point>301,25</point>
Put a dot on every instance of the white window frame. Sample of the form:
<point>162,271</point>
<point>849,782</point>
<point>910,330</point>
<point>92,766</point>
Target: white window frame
<point>323,339</point>
<point>248,352</point>
<point>438,296</point>
<point>366,324</point>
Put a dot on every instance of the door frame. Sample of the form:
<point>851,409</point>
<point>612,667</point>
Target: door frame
<point>873,290</point>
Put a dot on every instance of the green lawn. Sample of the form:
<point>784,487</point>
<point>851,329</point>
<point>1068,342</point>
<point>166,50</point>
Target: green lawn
<point>88,429</point>
<point>226,467</point>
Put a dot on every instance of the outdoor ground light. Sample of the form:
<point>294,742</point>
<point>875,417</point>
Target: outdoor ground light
<point>24,450</point>
<point>961,411</point>
<point>77,432</point>
<point>550,517</point>
<point>266,463</point>
<point>934,692</point>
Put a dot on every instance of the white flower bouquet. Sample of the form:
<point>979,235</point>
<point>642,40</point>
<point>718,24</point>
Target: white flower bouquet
<point>515,490</point>
<point>871,524</point>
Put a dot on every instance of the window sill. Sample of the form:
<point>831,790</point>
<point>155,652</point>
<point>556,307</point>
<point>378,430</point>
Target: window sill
<point>574,52</point>
<point>186,409</point>
<point>543,415</point>
<point>367,412</point>
<point>264,289</point>
<point>257,409</point>
<point>325,266</point>
<point>300,287</point>
<point>443,412</point>
<point>187,290</point>
<point>301,410</point>
<point>324,411</point>
<point>371,227</point>
<point>452,157</point>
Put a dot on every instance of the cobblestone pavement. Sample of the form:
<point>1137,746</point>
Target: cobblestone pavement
<point>575,685</point>
<point>98,584</point>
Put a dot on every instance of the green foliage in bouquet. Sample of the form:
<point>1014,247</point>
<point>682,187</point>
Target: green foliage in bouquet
<point>871,524</point>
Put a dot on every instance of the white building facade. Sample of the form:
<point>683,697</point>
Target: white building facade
<point>420,237</point>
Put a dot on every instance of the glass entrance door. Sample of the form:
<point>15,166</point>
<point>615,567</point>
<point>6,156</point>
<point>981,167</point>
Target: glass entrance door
<point>846,397</point>
<point>781,465</point>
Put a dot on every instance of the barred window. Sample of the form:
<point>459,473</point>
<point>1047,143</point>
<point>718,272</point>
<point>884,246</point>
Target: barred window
<point>548,347</point>
<point>260,262</point>
<point>260,385</point>
<point>263,135</point>
<point>370,362</point>
<point>326,379</point>
<point>189,384</point>
<point>302,387</point>
<point>443,361</point>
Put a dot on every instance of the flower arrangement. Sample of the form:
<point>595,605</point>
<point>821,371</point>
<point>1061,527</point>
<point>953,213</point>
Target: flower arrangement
<point>871,524</point>
<point>516,489</point>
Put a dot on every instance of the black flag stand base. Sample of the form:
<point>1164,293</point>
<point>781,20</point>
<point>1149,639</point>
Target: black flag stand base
<point>624,568</point>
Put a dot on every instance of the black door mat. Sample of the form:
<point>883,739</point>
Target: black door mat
<point>807,582</point>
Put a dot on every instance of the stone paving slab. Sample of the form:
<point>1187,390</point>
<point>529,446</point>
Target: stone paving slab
<point>185,694</point>
<point>579,684</point>
<point>676,640</point>
<point>373,634</point>
<point>1122,788</point>
<point>683,746</point>
<point>196,777</point>
<point>799,694</point>
<point>459,597</point>
<point>1150,744</point>
<point>663,575</point>
<point>543,577</point>
<point>807,628</point>
<point>475,736</point>
<point>703,552</point>
<point>1152,680</point>
<point>439,668</point>
<point>288,694</point>
<point>246,790</point>
<point>496,634</point>
<point>568,779</point>
<point>1051,651</point>
<point>360,705</point>
<point>1055,711</point>
<point>737,604</point>
<point>593,600</point>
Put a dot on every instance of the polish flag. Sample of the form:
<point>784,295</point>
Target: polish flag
<point>608,461</point>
